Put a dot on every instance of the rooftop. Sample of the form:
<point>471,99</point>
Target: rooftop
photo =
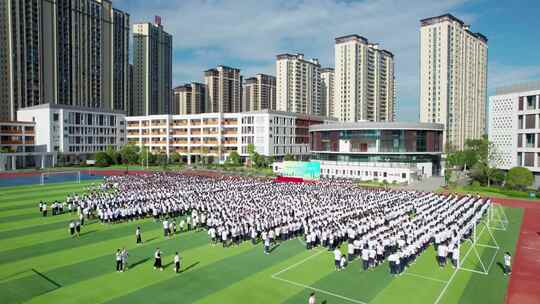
<point>364,125</point>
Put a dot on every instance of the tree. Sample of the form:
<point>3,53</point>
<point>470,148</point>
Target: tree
<point>102,159</point>
<point>130,155</point>
<point>234,159</point>
<point>114,155</point>
<point>163,161</point>
<point>447,175</point>
<point>498,176</point>
<point>147,157</point>
<point>175,158</point>
<point>288,157</point>
<point>519,178</point>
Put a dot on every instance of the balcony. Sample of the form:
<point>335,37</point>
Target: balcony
<point>179,133</point>
<point>230,142</point>
<point>230,122</point>
<point>210,142</point>
<point>179,142</point>
<point>210,121</point>
<point>159,142</point>
<point>210,132</point>
<point>180,123</point>
<point>230,132</point>
<point>159,123</point>
<point>195,122</point>
<point>195,132</point>
<point>11,142</point>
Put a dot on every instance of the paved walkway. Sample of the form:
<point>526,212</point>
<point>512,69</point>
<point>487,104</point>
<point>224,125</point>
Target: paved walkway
<point>428,184</point>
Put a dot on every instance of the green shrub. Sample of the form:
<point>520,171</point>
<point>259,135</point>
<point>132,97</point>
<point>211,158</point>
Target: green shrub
<point>519,178</point>
<point>103,159</point>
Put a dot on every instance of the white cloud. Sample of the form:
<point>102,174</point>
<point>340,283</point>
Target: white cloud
<point>248,34</point>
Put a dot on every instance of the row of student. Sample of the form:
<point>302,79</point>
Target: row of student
<point>325,214</point>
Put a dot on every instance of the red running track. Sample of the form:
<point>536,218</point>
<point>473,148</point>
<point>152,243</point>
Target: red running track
<point>524,287</point>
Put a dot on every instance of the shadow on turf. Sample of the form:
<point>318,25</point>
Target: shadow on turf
<point>189,267</point>
<point>87,232</point>
<point>273,248</point>
<point>501,266</point>
<point>151,239</point>
<point>139,262</point>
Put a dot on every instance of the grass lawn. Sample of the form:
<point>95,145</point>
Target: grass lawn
<point>489,191</point>
<point>40,263</point>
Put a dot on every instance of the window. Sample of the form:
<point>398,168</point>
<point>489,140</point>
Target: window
<point>55,117</point>
<point>531,102</point>
<point>529,140</point>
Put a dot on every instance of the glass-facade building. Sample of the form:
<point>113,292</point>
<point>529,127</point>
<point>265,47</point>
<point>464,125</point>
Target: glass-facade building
<point>378,142</point>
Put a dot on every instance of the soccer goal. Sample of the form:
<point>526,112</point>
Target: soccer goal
<point>478,250</point>
<point>60,177</point>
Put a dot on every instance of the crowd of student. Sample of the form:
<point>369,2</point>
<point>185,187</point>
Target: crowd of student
<point>374,225</point>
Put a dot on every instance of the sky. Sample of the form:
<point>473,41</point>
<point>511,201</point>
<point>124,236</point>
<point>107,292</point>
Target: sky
<point>248,34</point>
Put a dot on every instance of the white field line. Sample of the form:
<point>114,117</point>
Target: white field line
<point>276,276</point>
<point>452,277</point>
<point>319,290</point>
<point>424,277</point>
<point>297,263</point>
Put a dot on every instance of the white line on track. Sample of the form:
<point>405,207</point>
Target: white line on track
<point>530,248</point>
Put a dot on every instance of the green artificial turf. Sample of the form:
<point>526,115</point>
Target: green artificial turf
<point>40,263</point>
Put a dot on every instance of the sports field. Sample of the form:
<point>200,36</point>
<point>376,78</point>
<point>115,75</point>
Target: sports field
<point>40,263</point>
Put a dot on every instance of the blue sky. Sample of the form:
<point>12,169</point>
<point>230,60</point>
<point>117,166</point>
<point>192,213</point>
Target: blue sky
<point>248,34</point>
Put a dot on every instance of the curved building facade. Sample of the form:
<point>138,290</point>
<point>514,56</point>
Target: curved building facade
<point>392,151</point>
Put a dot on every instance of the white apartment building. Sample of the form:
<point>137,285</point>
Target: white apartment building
<point>75,130</point>
<point>453,78</point>
<point>298,84</point>
<point>363,81</point>
<point>218,134</point>
<point>514,126</point>
<point>327,92</point>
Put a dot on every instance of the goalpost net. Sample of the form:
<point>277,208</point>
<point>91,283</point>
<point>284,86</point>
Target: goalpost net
<point>60,177</point>
<point>478,250</point>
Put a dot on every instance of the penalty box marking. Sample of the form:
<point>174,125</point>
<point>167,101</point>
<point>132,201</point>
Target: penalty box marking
<point>276,277</point>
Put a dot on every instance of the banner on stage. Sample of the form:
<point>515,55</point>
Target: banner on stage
<point>305,170</point>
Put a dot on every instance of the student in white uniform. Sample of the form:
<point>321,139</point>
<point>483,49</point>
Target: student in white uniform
<point>138,235</point>
<point>125,255</point>
<point>157,260</point>
<point>72,229</point>
<point>507,263</point>
<point>350,251</point>
<point>176,262</point>
<point>337,259</point>
<point>365,258</point>
<point>312,299</point>
<point>165,228</point>
<point>343,262</point>
<point>118,260</point>
<point>441,254</point>
<point>267,245</point>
